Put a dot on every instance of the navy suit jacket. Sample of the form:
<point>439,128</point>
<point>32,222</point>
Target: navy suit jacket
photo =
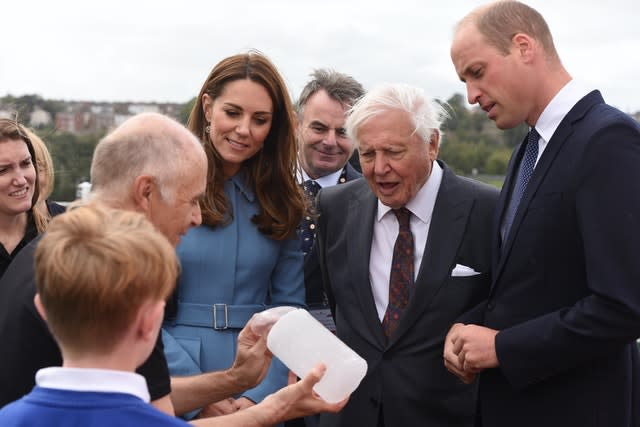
<point>406,381</point>
<point>565,294</point>
<point>312,277</point>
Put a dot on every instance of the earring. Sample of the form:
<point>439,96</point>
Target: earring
<point>207,129</point>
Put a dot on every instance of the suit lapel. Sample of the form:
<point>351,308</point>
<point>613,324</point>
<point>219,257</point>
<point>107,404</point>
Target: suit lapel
<point>360,217</point>
<point>446,232</point>
<point>501,206</point>
<point>559,138</point>
<point>352,173</point>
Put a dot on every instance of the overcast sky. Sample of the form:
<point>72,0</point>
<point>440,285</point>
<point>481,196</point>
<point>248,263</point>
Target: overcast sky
<point>163,50</point>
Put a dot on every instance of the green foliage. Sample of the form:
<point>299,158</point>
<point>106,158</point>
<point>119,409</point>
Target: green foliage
<point>71,156</point>
<point>186,110</point>
<point>472,144</point>
<point>497,162</point>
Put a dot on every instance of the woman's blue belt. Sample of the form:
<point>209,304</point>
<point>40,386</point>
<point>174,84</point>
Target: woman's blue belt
<point>216,316</point>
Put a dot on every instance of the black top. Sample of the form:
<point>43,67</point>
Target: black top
<point>55,208</point>
<point>27,346</point>
<point>5,257</point>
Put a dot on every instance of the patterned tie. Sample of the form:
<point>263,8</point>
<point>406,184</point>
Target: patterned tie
<point>401,279</point>
<point>527,164</point>
<point>308,226</point>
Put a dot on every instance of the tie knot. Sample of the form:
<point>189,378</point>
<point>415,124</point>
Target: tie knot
<point>403,215</point>
<point>311,188</point>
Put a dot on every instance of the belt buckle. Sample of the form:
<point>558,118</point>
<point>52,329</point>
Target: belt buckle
<point>216,308</point>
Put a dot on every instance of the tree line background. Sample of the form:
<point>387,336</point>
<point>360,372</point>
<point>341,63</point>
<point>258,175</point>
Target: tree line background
<point>471,143</point>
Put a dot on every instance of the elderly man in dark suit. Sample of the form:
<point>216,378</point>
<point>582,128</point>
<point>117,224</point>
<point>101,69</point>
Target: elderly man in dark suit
<point>403,253</point>
<point>555,341</point>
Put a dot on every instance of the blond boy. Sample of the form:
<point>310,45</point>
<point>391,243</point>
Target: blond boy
<point>102,278</point>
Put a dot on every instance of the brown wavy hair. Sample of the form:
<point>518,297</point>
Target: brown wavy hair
<point>272,170</point>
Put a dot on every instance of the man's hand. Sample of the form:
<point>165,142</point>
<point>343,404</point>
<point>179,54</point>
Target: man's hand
<point>225,407</point>
<point>451,359</point>
<point>299,400</point>
<point>222,407</point>
<point>252,359</point>
<point>475,347</point>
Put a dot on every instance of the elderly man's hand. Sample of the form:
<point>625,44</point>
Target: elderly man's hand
<point>299,400</point>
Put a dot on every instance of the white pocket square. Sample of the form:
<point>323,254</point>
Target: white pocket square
<point>462,270</point>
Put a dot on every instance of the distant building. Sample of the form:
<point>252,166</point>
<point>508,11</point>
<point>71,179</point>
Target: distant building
<point>39,118</point>
<point>143,108</point>
<point>80,117</point>
<point>120,119</point>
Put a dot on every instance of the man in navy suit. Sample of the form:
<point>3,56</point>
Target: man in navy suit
<point>323,157</point>
<point>325,149</point>
<point>555,342</point>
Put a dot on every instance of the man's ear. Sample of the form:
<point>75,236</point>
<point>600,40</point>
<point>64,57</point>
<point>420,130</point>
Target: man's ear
<point>38,303</point>
<point>524,45</point>
<point>296,121</point>
<point>434,143</point>
<point>143,187</point>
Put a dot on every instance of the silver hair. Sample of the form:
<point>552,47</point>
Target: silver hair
<point>426,114</point>
<point>339,86</point>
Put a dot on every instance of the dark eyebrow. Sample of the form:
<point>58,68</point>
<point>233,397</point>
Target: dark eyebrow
<point>237,107</point>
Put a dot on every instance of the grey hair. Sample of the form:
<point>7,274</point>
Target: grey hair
<point>426,114</point>
<point>147,144</point>
<point>340,87</point>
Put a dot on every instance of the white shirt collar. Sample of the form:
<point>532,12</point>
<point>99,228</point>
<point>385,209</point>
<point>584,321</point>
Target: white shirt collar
<point>558,108</point>
<point>323,181</point>
<point>425,199</point>
<point>96,380</point>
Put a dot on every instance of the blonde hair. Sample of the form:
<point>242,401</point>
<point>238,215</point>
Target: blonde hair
<point>44,167</point>
<point>95,267</point>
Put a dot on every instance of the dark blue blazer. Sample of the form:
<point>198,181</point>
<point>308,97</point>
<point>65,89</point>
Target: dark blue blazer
<point>565,293</point>
<point>312,276</point>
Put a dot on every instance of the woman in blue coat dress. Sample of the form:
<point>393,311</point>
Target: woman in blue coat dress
<point>245,255</point>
